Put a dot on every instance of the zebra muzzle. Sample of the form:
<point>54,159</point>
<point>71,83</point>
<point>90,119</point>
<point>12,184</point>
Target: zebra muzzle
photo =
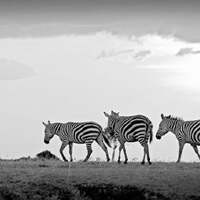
<point>158,137</point>
<point>46,142</point>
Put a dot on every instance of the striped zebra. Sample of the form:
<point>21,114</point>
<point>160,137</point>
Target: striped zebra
<point>111,137</point>
<point>81,133</point>
<point>185,132</point>
<point>130,129</point>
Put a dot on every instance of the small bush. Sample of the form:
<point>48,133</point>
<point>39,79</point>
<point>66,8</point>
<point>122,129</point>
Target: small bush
<point>46,155</point>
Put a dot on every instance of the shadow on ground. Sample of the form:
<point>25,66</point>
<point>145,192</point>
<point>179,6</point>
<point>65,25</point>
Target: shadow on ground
<point>43,191</point>
<point>81,192</point>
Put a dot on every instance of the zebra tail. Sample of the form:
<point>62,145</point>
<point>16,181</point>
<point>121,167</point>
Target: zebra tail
<point>151,132</point>
<point>106,139</point>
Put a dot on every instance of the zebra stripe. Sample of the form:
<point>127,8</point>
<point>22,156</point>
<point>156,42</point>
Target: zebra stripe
<point>185,132</point>
<point>80,133</point>
<point>130,129</point>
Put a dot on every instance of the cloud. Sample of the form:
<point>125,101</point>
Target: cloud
<point>13,70</point>
<point>113,53</point>
<point>124,55</point>
<point>157,53</point>
<point>186,51</point>
<point>142,55</point>
<point>40,18</point>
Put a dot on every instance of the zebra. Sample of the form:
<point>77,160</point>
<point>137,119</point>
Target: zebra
<point>110,135</point>
<point>130,129</point>
<point>81,133</point>
<point>185,132</point>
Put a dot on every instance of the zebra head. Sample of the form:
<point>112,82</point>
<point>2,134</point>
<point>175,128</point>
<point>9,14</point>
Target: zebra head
<point>48,133</point>
<point>110,136</point>
<point>109,132</point>
<point>112,119</point>
<point>163,127</point>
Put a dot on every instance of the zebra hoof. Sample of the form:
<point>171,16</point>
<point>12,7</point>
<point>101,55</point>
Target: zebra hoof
<point>125,162</point>
<point>142,163</point>
<point>119,162</point>
<point>150,163</point>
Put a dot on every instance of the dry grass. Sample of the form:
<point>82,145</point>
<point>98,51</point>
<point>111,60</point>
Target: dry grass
<point>58,180</point>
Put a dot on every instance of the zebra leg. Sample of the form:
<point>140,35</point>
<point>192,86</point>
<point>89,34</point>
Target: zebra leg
<point>143,160</point>
<point>89,150</point>
<point>145,146</point>
<point>196,150</point>
<point>99,140</point>
<point>181,145</point>
<point>113,154</point>
<point>64,144</point>
<point>115,146</point>
<point>146,152</point>
<point>120,148</point>
<point>70,151</point>
<point>125,155</point>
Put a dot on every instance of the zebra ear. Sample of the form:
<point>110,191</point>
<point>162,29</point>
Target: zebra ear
<point>44,124</point>
<point>162,116</point>
<point>49,122</point>
<point>106,114</point>
<point>112,112</point>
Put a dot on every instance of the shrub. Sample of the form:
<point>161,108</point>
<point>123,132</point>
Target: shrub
<point>46,155</point>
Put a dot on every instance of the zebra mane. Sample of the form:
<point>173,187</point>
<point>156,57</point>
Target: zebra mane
<point>56,127</point>
<point>175,118</point>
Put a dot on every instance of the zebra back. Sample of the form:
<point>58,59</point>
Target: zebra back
<point>128,124</point>
<point>81,131</point>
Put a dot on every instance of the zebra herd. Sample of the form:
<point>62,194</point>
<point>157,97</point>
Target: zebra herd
<point>137,128</point>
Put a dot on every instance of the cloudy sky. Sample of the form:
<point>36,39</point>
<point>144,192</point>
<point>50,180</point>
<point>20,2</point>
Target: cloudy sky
<point>70,61</point>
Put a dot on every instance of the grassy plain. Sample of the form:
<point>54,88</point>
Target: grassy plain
<point>36,179</point>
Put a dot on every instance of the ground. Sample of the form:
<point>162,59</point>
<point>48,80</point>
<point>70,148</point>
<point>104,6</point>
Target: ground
<point>45,179</point>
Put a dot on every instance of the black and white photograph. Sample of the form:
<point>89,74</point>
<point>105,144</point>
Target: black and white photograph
<point>100,99</point>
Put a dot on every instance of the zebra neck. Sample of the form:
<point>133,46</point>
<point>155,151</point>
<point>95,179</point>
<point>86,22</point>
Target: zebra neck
<point>174,126</point>
<point>56,128</point>
<point>114,123</point>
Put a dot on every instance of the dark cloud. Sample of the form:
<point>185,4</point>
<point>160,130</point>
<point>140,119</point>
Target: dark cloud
<point>41,18</point>
<point>186,51</point>
<point>13,70</point>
